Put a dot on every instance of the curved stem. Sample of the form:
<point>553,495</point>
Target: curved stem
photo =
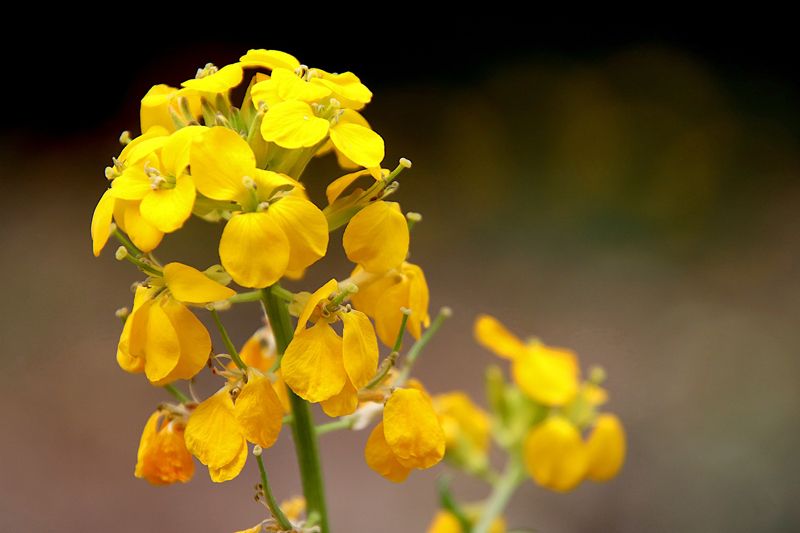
<point>274,508</point>
<point>305,437</point>
<point>501,494</point>
<point>176,393</point>
<point>227,340</point>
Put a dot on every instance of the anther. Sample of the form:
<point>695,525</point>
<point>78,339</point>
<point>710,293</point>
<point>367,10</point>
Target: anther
<point>122,312</point>
<point>121,253</point>
<point>257,450</point>
<point>248,182</point>
<point>405,163</point>
<point>125,138</point>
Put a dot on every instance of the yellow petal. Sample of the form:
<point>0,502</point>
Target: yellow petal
<point>131,347</point>
<point>377,237</point>
<point>101,222</point>
<point>154,110</point>
<point>143,145</point>
<point>418,298</point>
<point>259,411</point>
<point>548,375</point>
<point>162,347</point>
<point>269,182</point>
<point>445,522</point>
<point>168,209</point>
<point>257,352</point>
<point>286,85</point>
<point>220,159</point>
<point>313,301</point>
<point>292,125</point>
<point>361,145</point>
<point>132,184</point>
<point>380,458</point>
<point>232,469</point>
<point>555,456</point>
<point>412,429</point>
<point>254,249</point>
<point>359,348</point>
<point>343,403</point>
<point>312,365</point>
<point>176,152</point>
<point>346,87</point>
<point>306,228</point>
<point>606,448</point>
<point>337,186</point>
<point>163,458</point>
<point>492,335</point>
<point>463,420</point>
<point>144,235</point>
<point>193,338</point>
<point>189,285</point>
<point>213,433</point>
<point>221,81</point>
<point>269,59</point>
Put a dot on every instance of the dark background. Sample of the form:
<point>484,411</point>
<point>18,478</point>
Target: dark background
<point>627,190</point>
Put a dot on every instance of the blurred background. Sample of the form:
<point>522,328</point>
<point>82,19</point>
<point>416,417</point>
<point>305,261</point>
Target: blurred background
<point>631,193</point>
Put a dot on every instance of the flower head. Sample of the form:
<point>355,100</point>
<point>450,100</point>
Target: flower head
<point>162,458</point>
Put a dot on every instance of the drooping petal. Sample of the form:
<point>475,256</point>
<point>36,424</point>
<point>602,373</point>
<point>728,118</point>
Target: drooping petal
<point>193,338</point>
<point>412,429</point>
<point>168,209</point>
<point>258,410</point>
<point>306,228</point>
<point>232,469</point>
<point>381,459</point>
<point>361,145</point>
<point>555,455</point>
<point>377,237</point>
<point>313,301</point>
<point>606,448</point>
<point>144,235</point>
<point>312,365</point>
<point>220,159</point>
<point>219,82</point>
<point>101,222</point>
<point>548,375</point>
<point>213,433</point>
<point>359,348</point>
<point>191,286</point>
<point>163,458</point>
<point>492,335</point>
<point>418,298</point>
<point>254,249</point>
<point>292,125</point>
<point>131,346</point>
<point>269,59</point>
<point>162,347</point>
<point>343,403</point>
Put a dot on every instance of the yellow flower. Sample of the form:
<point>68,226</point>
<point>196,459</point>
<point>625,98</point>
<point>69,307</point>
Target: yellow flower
<point>162,337</point>
<point>124,212</point>
<point>555,454</point>
<point>446,522</point>
<point>546,374</point>
<point>162,458</point>
<point>377,237</point>
<point>271,231</point>
<point>161,101</point>
<point>321,366</point>
<point>410,436</point>
<point>606,448</point>
<point>220,427</point>
<point>466,426</point>
<point>381,298</point>
<point>557,457</point>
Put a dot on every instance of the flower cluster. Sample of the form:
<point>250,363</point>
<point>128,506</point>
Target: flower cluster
<point>240,164</point>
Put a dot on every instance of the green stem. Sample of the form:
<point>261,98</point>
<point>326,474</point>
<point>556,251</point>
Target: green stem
<point>181,397</point>
<point>342,423</point>
<point>227,340</point>
<point>416,349</point>
<point>500,496</point>
<point>255,296</point>
<point>124,241</point>
<point>305,437</point>
<point>388,363</point>
<point>274,508</point>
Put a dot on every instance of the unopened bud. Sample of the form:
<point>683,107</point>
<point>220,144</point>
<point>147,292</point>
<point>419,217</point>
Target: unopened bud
<point>121,253</point>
